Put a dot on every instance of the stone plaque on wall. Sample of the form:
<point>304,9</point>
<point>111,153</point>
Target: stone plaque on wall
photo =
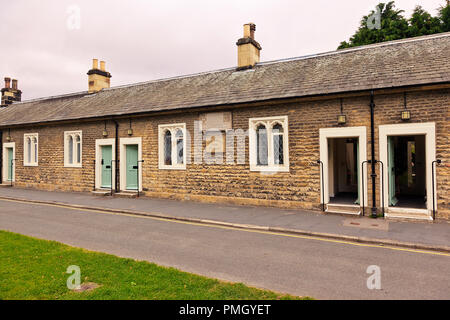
<point>216,121</point>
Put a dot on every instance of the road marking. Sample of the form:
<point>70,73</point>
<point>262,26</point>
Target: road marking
<point>235,228</point>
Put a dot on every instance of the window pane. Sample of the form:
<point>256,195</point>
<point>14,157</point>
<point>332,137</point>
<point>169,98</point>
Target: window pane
<point>261,145</point>
<point>28,150</point>
<point>78,152</point>
<point>180,150</point>
<point>278,144</point>
<point>70,147</point>
<point>167,148</point>
<point>35,145</point>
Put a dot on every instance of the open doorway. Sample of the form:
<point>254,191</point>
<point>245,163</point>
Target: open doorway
<point>407,171</point>
<point>343,174</point>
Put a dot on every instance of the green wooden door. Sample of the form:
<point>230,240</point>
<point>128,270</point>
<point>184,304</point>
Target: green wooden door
<point>106,166</point>
<point>10,163</point>
<point>391,172</point>
<point>132,166</point>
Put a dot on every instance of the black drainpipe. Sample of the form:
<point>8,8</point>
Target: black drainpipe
<point>1,156</point>
<point>372,143</point>
<point>117,156</point>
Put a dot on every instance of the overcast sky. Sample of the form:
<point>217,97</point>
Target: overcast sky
<point>49,52</point>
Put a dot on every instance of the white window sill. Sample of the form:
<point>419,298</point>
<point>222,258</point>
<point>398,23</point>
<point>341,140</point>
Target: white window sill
<point>163,167</point>
<point>30,164</point>
<point>273,169</point>
<point>75,165</point>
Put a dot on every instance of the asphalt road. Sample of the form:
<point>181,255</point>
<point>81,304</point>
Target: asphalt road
<point>320,268</point>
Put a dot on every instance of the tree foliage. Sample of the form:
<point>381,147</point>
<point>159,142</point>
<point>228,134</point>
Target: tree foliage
<point>393,25</point>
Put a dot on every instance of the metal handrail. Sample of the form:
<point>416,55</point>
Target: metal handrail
<point>138,176</point>
<point>95,169</point>
<point>438,161</point>
<point>322,186</point>
<point>362,184</point>
<point>12,171</point>
<point>382,185</point>
<point>115,163</point>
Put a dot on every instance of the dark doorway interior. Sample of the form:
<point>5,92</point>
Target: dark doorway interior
<point>409,168</point>
<point>343,163</point>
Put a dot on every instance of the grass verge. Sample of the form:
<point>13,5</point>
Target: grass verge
<point>36,269</point>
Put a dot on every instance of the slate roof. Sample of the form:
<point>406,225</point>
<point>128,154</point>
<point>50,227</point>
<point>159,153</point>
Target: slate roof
<point>422,60</point>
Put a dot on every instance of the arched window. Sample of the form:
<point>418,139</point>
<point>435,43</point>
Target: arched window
<point>28,150</point>
<point>269,144</point>
<point>168,148</point>
<point>70,149</point>
<point>277,133</point>
<point>172,146</point>
<point>35,150</point>
<point>73,148</point>
<point>78,148</point>
<point>180,146</point>
<point>261,145</point>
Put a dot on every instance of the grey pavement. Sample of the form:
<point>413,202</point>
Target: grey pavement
<point>427,233</point>
<point>323,269</point>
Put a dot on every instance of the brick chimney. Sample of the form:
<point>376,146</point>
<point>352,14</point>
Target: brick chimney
<point>248,48</point>
<point>98,78</point>
<point>10,94</point>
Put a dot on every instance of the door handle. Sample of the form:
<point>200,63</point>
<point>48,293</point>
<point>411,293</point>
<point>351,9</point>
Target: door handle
<point>135,167</point>
<point>103,162</point>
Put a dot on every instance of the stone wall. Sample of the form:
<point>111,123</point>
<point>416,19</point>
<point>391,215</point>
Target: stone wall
<point>299,188</point>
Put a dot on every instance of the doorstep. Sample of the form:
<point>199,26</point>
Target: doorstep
<point>128,194</point>
<point>4,185</point>
<point>350,209</point>
<point>101,192</point>
<point>408,214</point>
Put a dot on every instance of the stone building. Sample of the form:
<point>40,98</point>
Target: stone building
<point>350,131</point>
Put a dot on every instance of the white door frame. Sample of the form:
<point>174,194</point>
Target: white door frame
<point>408,129</point>
<point>98,160</point>
<point>123,161</point>
<point>8,145</point>
<point>347,132</point>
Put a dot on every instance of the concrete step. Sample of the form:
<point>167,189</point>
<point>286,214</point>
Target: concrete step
<point>127,194</point>
<point>407,214</point>
<point>5,185</point>
<point>343,209</point>
<point>101,192</point>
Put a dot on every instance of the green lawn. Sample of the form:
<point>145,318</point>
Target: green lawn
<point>36,269</point>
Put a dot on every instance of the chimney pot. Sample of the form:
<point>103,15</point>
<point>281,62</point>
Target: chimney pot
<point>102,65</point>
<point>248,48</point>
<point>94,63</point>
<point>249,30</point>
<point>14,84</point>
<point>7,82</point>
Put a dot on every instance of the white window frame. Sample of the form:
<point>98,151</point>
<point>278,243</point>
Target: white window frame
<point>347,132</point>
<point>6,164</point>
<point>123,142</point>
<point>74,163</point>
<point>173,128</point>
<point>268,122</point>
<point>34,150</point>
<point>99,143</point>
<point>405,129</point>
